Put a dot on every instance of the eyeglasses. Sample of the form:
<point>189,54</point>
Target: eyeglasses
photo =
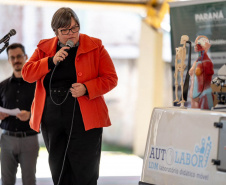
<point>74,29</point>
<point>18,57</point>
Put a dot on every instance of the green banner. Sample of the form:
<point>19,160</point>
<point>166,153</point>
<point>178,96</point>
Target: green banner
<point>194,18</point>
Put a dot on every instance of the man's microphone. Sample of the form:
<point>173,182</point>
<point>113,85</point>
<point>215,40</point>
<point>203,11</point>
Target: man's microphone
<point>7,37</point>
<point>70,44</point>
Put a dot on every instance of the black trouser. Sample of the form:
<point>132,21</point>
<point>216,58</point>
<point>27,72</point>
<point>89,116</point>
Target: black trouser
<point>81,166</point>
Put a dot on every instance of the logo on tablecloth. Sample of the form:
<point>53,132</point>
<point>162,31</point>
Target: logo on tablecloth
<point>181,162</point>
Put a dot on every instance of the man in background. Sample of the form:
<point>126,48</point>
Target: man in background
<point>19,143</point>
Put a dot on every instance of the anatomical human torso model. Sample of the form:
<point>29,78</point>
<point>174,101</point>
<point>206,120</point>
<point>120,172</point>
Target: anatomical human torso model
<point>201,74</point>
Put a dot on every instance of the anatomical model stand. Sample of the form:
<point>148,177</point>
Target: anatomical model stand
<point>180,55</point>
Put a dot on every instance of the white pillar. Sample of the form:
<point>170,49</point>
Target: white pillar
<point>151,70</point>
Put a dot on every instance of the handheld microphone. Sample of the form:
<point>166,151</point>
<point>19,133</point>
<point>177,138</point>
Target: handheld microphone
<point>70,44</point>
<point>7,36</point>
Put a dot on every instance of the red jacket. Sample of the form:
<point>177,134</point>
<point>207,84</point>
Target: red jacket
<point>94,68</point>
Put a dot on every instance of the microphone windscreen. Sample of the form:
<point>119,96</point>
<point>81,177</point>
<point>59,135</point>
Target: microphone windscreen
<point>70,43</point>
<point>12,32</point>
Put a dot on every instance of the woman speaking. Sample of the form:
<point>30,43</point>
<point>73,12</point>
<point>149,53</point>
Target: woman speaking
<point>72,72</point>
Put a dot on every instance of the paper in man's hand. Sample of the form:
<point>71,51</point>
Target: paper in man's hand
<point>11,112</point>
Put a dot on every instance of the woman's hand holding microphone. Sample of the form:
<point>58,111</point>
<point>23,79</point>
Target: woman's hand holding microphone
<point>60,55</point>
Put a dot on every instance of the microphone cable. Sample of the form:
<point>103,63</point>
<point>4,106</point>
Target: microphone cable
<point>69,138</point>
<point>73,115</point>
<point>69,43</point>
<point>68,142</point>
<point>50,91</point>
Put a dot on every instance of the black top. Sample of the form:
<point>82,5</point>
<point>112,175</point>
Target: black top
<point>65,73</point>
<point>16,93</point>
<point>62,79</point>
